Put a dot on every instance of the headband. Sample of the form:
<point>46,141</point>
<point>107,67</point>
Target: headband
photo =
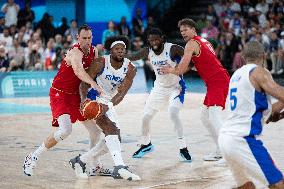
<point>117,42</point>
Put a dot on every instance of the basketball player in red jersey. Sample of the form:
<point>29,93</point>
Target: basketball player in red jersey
<point>65,97</point>
<point>201,53</point>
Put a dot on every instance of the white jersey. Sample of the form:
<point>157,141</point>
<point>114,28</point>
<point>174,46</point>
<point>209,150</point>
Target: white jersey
<point>247,108</point>
<point>110,79</point>
<point>159,61</point>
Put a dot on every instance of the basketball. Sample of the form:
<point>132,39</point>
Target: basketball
<point>91,109</point>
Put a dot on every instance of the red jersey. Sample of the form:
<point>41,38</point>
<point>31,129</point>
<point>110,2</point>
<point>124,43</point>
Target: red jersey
<point>206,62</point>
<point>65,80</point>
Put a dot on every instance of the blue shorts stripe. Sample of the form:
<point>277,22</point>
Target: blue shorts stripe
<point>271,172</point>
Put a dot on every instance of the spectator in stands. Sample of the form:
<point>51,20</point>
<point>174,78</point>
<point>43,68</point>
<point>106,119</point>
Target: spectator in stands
<point>34,60</point>
<point>235,24</point>
<point>150,24</point>
<point>25,15</point>
<point>58,42</point>
<point>262,6</point>
<point>123,27</point>
<point>73,31</point>
<point>231,47</point>
<point>6,39</point>
<point>211,15</point>
<point>219,7</point>
<point>16,56</point>
<point>13,30</point>
<point>2,22</point>
<point>277,67</point>
<point>234,6</point>
<point>137,24</point>
<point>136,45</point>
<point>110,31</point>
<point>46,26</point>
<point>4,62</point>
<point>210,32</point>
<point>201,22</point>
<point>49,55</point>
<point>245,6</point>
<point>11,10</point>
<point>63,27</point>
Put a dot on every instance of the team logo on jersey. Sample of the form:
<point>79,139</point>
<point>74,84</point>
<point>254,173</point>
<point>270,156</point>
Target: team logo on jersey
<point>160,62</point>
<point>113,78</point>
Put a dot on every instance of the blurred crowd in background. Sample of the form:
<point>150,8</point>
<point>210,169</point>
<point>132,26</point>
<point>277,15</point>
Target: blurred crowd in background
<point>227,24</point>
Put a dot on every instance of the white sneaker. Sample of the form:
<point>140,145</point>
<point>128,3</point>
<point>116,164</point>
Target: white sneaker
<point>29,164</point>
<point>214,156</point>
<point>122,172</point>
<point>221,163</point>
<point>100,170</point>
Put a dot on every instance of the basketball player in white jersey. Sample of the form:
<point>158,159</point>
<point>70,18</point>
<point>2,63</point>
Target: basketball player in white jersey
<point>248,105</point>
<point>168,90</point>
<point>114,74</point>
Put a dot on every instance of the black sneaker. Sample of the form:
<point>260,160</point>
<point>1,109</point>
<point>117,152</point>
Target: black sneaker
<point>185,154</point>
<point>143,150</point>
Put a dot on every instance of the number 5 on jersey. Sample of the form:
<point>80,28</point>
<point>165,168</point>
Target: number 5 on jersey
<point>233,98</point>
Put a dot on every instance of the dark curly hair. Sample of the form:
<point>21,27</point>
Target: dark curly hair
<point>112,39</point>
<point>156,31</point>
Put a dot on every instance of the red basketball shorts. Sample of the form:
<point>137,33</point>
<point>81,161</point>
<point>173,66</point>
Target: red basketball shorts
<point>217,90</point>
<point>63,103</point>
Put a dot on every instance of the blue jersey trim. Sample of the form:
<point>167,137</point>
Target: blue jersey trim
<point>92,94</point>
<point>182,92</point>
<point>271,172</point>
<point>261,104</point>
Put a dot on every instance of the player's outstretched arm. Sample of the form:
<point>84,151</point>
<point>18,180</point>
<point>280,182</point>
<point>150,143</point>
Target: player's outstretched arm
<point>125,85</point>
<point>191,48</point>
<point>276,114</point>
<point>75,59</point>
<point>96,67</point>
<point>141,54</point>
<point>264,80</point>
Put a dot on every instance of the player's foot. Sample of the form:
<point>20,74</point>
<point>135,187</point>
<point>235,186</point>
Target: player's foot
<point>185,154</point>
<point>78,166</point>
<point>29,164</point>
<point>100,170</point>
<point>122,172</point>
<point>215,156</point>
<point>143,150</point>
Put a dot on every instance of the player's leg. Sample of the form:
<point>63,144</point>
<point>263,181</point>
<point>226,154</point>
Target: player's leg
<point>63,131</point>
<point>259,164</point>
<point>153,104</point>
<point>216,155</point>
<point>95,134</point>
<point>175,104</point>
<point>230,153</point>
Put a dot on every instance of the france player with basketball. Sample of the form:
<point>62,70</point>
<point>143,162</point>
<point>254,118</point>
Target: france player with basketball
<point>168,89</point>
<point>248,105</point>
<point>65,97</point>
<point>201,53</point>
<point>114,74</point>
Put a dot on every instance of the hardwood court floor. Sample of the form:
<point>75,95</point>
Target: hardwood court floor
<point>21,132</point>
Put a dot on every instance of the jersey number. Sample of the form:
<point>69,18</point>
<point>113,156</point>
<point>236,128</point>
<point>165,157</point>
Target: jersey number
<point>233,98</point>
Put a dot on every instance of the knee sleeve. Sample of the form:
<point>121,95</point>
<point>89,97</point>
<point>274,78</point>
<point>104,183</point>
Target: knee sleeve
<point>65,127</point>
<point>174,114</point>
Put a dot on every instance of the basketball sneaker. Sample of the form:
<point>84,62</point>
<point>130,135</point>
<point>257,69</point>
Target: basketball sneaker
<point>143,150</point>
<point>100,170</point>
<point>122,172</point>
<point>185,154</point>
<point>29,164</point>
<point>214,156</point>
<point>78,166</point>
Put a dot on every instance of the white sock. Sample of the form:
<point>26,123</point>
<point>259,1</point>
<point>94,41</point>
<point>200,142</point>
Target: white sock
<point>182,143</point>
<point>146,139</point>
<point>39,150</point>
<point>113,145</point>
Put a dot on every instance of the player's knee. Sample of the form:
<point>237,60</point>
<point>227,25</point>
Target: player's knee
<point>65,127</point>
